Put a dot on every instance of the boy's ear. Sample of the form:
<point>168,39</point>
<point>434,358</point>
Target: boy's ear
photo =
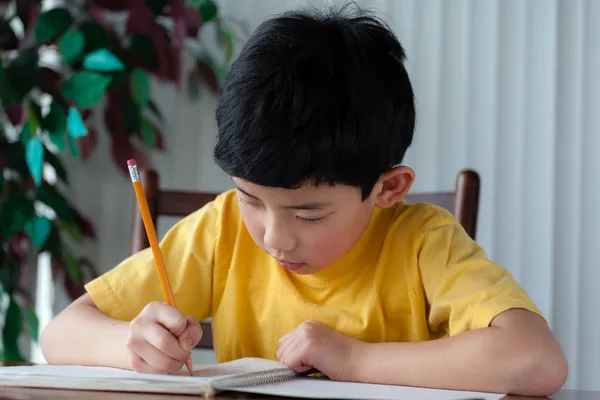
<point>393,185</point>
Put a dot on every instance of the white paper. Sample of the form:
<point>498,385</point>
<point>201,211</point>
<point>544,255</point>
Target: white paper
<point>202,373</point>
<point>325,389</point>
<point>112,379</point>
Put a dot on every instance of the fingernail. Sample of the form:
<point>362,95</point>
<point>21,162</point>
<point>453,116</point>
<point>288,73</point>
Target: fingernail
<point>186,344</point>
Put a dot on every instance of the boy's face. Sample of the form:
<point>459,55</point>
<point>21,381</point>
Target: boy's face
<point>310,227</point>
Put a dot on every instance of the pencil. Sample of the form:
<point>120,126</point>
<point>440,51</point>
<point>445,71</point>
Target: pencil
<point>152,238</point>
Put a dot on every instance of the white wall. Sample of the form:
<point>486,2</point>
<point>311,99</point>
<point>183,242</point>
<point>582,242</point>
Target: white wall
<point>510,88</point>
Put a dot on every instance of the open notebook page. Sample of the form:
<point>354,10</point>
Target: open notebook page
<point>113,379</point>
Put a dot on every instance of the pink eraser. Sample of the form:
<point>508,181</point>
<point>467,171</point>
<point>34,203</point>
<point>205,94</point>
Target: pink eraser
<point>131,163</point>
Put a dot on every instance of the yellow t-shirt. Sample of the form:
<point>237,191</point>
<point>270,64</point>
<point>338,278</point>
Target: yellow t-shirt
<point>414,275</point>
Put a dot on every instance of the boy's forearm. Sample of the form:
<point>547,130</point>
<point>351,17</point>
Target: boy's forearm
<point>484,360</point>
<point>82,335</point>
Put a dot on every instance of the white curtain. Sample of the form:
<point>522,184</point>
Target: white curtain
<point>510,88</point>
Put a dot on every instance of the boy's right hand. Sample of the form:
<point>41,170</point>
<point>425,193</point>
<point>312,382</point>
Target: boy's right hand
<point>160,339</point>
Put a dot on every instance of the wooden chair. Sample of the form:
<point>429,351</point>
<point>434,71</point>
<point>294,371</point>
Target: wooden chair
<point>463,202</point>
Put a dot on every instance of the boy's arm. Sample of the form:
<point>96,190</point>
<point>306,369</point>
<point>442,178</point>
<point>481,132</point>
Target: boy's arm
<point>81,334</point>
<point>158,340</point>
<point>517,354</point>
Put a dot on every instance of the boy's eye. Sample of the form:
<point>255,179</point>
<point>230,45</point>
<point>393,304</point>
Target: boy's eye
<point>244,201</point>
<point>309,220</point>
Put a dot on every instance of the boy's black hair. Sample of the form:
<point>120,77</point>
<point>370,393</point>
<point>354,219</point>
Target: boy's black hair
<point>320,97</point>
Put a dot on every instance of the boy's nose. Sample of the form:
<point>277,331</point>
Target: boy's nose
<point>278,238</point>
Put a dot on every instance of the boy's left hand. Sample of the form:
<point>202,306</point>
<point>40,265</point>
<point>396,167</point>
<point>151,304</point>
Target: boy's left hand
<point>315,345</point>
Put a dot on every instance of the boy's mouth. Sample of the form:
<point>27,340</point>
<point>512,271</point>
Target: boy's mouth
<point>290,265</point>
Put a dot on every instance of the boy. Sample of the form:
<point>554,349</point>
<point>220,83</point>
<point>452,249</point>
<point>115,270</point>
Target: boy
<point>313,259</point>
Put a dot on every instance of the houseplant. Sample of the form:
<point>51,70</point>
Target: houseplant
<point>57,64</point>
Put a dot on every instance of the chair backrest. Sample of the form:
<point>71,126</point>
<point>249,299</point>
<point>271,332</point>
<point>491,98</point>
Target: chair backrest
<point>463,202</point>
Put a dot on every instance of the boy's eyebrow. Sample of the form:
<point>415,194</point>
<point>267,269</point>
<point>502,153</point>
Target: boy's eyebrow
<point>303,206</point>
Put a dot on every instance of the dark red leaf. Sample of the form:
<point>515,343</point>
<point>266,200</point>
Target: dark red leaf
<point>175,66</point>
<point>15,244</point>
<point>49,80</point>
<point>86,264</point>
<point>113,5</point>
<point>208,75</point>
<point>179,23</point>
<point>75,290</point>
<point>87,144</point>
<point>28,11</point>
<point>84,224</point>
<point>98,15</point>
<point>123,150</point>
<point>8,39</point>
<point>16,114</point>
<point>160,141</point>
<point>113,114</point>
<point>140,18</point>
<point>141,21</point>
<point>86,113</point>
<point>193,21</point>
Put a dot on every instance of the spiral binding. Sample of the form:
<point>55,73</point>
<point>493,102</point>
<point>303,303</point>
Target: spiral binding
<point>274,375</point>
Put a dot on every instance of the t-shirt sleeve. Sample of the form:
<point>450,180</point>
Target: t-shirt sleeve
<point>464,289</point>
<point>188,254</point>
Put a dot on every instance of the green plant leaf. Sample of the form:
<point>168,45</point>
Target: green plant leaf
<point>208,10</point>
<point>73,146</point>
<point>222,73</point>
<point>13,326</point>
<point>131,112</point>
<point>22,75</point>
<point>58,166</point>
<point>1,187</point>
<point>140,87</point>
<point>144,50</point>
<point>38,230</point>
<point>71,45</point>
<point>85,89</point>
<point>32,323</point>
<point>102,60</point>
<point>16,211</point>
<point>25,133</point>
<point>5,276</point>
<point>95,36</point>
<point>34,116</point>
<point>52,23</point>
<point>155,110</point>
<point>55,124</point>
<point>72,267</point>
<point>50,196</point>
<point>227,41</point>
<point>75,125</point>
<point>34,156</point>
<point>71,229</point>
<point>148,133</point>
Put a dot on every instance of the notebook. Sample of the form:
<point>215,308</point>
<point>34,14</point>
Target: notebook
<point>249,375</point>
